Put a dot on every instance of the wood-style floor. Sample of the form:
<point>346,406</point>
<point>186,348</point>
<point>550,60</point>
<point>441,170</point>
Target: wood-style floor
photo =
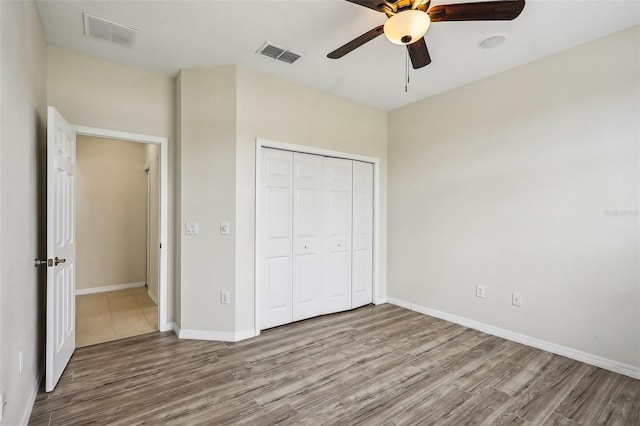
<point>377,365</point>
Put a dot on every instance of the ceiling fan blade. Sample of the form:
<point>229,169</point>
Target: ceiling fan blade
<point>371,4</point>
<point>481,11</point>
<point>419,54</point>
<point>356,42</point>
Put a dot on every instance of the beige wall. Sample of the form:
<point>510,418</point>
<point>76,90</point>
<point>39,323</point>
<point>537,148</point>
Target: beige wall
<point>22,204</point>
<point>507,182</point>
<point>222,110</point>
<point>97,93</point>
<point>275,109</point>
<point>207,184</point>
<point>111,212</point>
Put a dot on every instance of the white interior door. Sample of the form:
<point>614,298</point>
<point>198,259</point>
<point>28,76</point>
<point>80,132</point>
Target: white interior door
<point>338,193</point>
<point>61,246</point>
<point>308,236</point>
<point>362,258</point>
<point>276,208</point>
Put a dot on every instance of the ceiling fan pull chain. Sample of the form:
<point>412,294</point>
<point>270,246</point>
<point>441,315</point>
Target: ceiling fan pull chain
<point>406,71</point>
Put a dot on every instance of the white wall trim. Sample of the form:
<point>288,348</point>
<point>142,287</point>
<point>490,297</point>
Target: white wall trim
<point>32,397</point>
<point>219,336</point>
<point>116,134</point>
<point>170,326</point>
<point>245,334</point>
<point>595,360</point>
<point>106,288</point>
<point>163,273</point>
<point>152,296</point>
<point>265,143</point>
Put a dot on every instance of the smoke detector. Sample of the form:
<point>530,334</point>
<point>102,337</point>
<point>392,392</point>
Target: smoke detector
<point>108,30</point>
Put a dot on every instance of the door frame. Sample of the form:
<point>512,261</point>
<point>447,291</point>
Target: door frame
<point>265,143</point>
<point>163,293</point>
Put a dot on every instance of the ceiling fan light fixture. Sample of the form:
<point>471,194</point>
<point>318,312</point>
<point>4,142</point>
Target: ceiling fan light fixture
<point>407,26</point>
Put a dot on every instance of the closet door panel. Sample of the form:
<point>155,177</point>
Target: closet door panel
<point>308,236</point>
<point>276,206</point>
<point>362,275</point>
<point>338,212</point>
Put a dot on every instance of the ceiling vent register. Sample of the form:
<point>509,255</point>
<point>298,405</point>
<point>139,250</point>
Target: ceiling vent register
<point>107,30</point>
<point>278,53</point>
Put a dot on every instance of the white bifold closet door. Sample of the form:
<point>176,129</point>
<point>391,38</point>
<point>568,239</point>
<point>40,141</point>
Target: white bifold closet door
<point>362,258</point>
<point>338,192</point>
<point>316,236</point>
<point>276,238</point>
<point>308,236</point>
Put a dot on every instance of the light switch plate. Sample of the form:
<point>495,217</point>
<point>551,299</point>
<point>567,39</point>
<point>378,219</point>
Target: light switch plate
<point>224,228</point>
<point>191,228</point>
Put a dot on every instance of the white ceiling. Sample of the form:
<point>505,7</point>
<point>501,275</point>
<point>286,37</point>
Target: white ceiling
<point>183,34</point>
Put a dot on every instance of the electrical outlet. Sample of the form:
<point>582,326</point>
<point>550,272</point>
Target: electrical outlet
<point>480,291</point>
<point>224,297</point>
<point>20,361</point>
<point>516,299</point>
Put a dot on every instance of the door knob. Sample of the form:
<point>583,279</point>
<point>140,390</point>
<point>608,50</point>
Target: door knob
<point>48,262</point>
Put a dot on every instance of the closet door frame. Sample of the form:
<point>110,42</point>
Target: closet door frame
<point>265,143</point>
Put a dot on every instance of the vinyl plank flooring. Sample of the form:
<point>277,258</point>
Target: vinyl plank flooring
<point>376,365</point>
<point>548,390</point>
<point>624,408</point>
<point>481,408</point>
<point>589,398</point>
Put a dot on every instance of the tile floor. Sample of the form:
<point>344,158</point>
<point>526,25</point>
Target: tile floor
<point>103,317</point>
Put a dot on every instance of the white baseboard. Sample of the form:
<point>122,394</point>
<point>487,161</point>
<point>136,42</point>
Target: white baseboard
<point>380,301</point>
<point>220,336</point>
<point>152,296</point>
<point>595,360</point>
<point>168,326</point>
<point>80,291</point>
<point>32,398</point>
<point>245,334</point>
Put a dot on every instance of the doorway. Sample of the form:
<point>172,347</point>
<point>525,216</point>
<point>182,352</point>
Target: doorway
<point>117,239</point>
<point>159,253</point>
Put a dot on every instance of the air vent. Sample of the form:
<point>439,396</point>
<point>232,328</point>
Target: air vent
<point>278,53</point>
<point>107,30</point>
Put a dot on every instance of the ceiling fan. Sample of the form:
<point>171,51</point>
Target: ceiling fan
<point>409,20</point>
